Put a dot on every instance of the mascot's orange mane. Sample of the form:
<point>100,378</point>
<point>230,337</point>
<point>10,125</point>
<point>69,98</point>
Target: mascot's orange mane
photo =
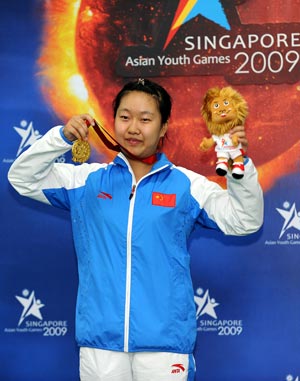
<point>237,101</point>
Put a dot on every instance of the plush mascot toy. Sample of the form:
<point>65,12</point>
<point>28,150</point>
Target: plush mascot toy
<point>222,109</point>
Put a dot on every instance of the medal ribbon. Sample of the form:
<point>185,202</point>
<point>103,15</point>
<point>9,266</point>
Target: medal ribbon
<point>109,141</point>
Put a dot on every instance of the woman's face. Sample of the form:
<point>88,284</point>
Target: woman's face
<point>138,125</point>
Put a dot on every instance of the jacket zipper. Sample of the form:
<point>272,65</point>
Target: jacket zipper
<point>128,270</point>
<point>128,265</point>
<point>132,191</point>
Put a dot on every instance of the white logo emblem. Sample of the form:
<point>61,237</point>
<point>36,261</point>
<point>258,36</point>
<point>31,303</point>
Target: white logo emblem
<point>205,304</point>
<point>28,134</point>
<point>211,323</point>
<point>289,377</point>
<point>291,217</point>
<point>31,306</point>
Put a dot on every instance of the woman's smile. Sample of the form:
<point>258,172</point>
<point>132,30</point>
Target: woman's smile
<point>138,124</point>
<point>132,141</point>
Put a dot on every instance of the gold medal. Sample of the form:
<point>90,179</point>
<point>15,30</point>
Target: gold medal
<point>81,151</point>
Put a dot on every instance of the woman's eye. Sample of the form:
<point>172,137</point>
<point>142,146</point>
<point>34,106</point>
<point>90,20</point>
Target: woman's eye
<point>216,105</point>
<point>226,103</point>
<point>145,120</point>
<point>123,117</point>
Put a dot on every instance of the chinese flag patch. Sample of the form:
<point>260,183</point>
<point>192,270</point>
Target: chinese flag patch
<point>163,199</point>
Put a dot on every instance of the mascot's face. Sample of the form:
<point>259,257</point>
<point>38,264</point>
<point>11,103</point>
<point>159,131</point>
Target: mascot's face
<point>222,110</point>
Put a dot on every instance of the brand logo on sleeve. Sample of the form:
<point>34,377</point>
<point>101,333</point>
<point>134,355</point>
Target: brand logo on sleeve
<point>104,195</point>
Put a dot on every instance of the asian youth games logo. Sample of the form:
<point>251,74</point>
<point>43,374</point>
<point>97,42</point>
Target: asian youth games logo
<point>290,377</point>
<point>28,135</point>
<point>31,306</point>
<point>205,304</point>
<point>187,10</point>
<point>31,319</point>
<point>207,319</point>
<point>291,218</point>
<point>208,38</point>
<point>290,229</point>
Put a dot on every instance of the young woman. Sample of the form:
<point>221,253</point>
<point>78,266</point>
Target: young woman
<point>131,219</point>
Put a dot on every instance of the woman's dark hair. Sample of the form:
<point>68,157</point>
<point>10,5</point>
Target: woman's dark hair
<point>162,97</point>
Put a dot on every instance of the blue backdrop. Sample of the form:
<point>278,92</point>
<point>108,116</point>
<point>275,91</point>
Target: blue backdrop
<point>246,288</point>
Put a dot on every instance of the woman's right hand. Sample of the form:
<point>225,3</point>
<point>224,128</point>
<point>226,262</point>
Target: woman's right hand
<point>78,127</point>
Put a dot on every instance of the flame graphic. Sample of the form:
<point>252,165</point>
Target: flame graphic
<point>63,85</point>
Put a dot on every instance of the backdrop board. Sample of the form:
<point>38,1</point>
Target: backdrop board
<point>59,58</point>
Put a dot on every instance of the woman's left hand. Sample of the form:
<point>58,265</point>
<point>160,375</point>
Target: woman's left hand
<point>240,132</point>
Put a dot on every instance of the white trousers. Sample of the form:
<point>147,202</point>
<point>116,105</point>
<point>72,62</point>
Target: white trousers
<point>102,365</point>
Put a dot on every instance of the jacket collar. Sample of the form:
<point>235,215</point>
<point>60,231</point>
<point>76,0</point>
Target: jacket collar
<point>162,161</point>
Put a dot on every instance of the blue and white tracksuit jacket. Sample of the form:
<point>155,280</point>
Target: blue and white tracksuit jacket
<point>135,291</point>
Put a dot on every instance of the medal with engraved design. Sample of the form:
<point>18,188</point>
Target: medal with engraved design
<point>81,151</point>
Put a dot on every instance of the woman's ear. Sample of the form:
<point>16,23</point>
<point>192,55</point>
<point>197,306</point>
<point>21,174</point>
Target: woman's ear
<point>164,129</point>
